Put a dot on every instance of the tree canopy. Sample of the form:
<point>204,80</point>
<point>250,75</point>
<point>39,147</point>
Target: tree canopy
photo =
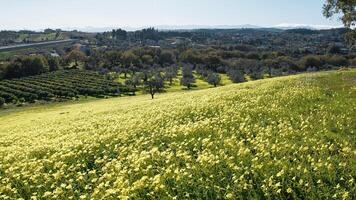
<point>347,11</point>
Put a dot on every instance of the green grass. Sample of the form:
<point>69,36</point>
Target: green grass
<point>279,138</point>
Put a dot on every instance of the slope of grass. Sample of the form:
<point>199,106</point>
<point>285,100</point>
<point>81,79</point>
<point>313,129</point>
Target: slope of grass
<point>279,138</point>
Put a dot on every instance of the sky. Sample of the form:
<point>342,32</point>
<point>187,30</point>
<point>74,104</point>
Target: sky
<point>40,14</point>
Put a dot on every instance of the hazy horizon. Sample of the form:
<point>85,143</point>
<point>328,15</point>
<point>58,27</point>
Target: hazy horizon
<point>81,14</point>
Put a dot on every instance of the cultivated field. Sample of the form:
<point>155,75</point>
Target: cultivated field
<point>62,84</point>
<point>281,138</point>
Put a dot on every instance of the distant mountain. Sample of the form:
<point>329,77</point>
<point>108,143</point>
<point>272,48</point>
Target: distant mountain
<point>169,27</point>
<point>287,26</point>
<point>165,27</point>
<point>284,26</point>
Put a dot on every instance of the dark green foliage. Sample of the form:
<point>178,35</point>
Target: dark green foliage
<point>2,70</point>
<point>26,66</point>
<point>311,61</point>
<point>336,61</point>
<point>119,34</point>
<point>166,58</point>
<point>76,56</point>
<point>346,10</point>
<point>9,98</point>
<point>2,102</point>
<point>53,63</point>
<point>191,56</point>
<point>128,60</point>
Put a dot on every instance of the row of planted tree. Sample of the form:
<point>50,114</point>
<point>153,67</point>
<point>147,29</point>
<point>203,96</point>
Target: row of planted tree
<point>59,85</point>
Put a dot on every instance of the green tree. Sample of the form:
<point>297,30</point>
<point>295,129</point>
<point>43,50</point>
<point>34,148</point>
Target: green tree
<point>128,59</point>
<point>154,82</point>
<point>213,78</point>
<point>113,58</point>
<point>188,77</point>
<point>134,81</point>
<point>26,66</point>
<point>346,9</point>
<point>166,58</point>
<point>53,63</point>
<point>76,56</point>
<point>236,75</point>
<point>311,62</point>
<point>170,73</point>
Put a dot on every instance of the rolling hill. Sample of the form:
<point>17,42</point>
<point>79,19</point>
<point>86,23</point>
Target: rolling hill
<point>281,138</point>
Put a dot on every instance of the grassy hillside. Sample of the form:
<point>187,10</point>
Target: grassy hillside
<point>289,137</point>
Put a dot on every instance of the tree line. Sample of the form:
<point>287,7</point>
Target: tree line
<point>144,59</point>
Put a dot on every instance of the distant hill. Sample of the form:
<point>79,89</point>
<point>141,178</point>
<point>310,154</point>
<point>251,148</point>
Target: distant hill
<point>193,27</point>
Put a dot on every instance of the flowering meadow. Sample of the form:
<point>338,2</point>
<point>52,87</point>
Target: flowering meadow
<point>283,138</point>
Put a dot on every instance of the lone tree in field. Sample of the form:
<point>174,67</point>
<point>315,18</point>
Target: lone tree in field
<point>213,78</point>
<point>154,82</point>
<point>347,11</point>
<point>188,77</point>
<point>76,56</point>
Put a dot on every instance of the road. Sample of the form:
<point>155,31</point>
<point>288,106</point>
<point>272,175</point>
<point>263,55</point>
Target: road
<point>5,48</point>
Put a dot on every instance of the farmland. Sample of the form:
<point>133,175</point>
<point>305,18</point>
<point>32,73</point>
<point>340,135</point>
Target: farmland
<point>280,138</point>
<point>65,84</point>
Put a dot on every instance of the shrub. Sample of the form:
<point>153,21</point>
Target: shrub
<point>336,61</point>
<point>310,62</point>
<point>26,66</point>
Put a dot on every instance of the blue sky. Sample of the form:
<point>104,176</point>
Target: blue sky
<point>39,14</point>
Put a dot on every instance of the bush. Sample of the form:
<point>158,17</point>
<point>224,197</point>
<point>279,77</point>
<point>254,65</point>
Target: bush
<point>311,62</point>
<point>336,61</point>
<point>26,66</point>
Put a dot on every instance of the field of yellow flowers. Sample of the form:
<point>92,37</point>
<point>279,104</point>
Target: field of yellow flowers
<point>283,138</point>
